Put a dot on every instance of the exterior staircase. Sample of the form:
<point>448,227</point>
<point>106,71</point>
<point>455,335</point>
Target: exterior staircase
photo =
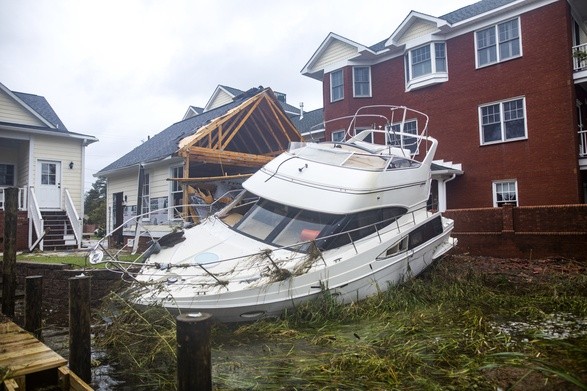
<point>59,234</point>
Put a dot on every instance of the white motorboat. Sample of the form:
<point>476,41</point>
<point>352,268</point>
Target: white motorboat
<point>349,218</point>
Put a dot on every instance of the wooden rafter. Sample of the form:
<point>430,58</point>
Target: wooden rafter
<point>242,122</point>
<point>210,178</point>
<point>207,155</point>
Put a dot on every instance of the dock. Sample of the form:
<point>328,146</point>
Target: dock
<point>27,364</point>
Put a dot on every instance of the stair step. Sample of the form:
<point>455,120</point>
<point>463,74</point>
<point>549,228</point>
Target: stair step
<point>60,234</point>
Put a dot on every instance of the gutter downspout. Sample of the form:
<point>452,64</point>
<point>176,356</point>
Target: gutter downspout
<point>442,193</point>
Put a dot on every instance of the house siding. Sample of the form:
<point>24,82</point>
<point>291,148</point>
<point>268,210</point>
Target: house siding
<point>65,151</point>
<point>417,29</point>
<point>336,51</point>
<point>542,75</point>
<point>127,183</point>
<point>12,112</point>
<point>220,99</point>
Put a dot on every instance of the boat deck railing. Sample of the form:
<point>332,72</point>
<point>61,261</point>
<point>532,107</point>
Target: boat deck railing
<point>251,265</point>
<point>378,131</point>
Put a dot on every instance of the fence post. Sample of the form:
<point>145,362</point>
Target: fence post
<point>194,363</point>
<point>9,257</point>
<point>33,303</point>
<point>80,349</point>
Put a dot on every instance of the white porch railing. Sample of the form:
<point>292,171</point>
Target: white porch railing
<point>580,57</point>
<point>74,218</point>
<point>22,198</point>
<point>36,218</point>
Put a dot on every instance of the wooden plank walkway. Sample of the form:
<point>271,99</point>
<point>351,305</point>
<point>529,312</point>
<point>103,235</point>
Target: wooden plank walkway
<point>27,360</point>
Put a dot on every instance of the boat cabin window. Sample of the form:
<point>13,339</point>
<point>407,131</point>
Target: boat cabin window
<point>424,233</point>
<point>359,225</point>
<point>284,226</point>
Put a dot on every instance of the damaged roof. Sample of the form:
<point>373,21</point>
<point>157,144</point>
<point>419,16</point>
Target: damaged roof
<point>166,143</point>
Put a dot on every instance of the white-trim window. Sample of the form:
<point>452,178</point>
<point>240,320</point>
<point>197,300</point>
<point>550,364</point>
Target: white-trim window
<point>503,121</point>
<point>176,193</point>
<point>7,175</point>
<point>406,142</point>
<point>361,82</point>
<point>336,85</point>
<point>505,192</point>
<point>426,65</point>
<point>498,43</point>
<point>337,136</point>
<point>145,197</point>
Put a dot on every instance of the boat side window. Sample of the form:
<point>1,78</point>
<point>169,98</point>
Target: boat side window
<point>424,233</point>
<point>362,224</point>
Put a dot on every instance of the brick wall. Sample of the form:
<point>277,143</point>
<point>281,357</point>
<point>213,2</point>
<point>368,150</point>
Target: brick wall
<point>22,231</point>
<point>56,287</point>
<point>522,232</point>
<point>545,165</point>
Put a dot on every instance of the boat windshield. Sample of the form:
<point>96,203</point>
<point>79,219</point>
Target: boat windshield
<point>285,226</point>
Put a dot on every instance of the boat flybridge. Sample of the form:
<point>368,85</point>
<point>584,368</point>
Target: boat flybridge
<point>348,217</point>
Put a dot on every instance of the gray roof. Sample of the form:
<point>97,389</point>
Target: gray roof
<point>310,119</point>
<point>233,91</point>
<point>286,106</point>
<point>43,108</point>
<point>464,13</point>
<point>165,143</point>
<point>473,10</point>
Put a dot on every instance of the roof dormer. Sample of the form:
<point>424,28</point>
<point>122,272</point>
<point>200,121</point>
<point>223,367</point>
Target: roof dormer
<point>416,29</point>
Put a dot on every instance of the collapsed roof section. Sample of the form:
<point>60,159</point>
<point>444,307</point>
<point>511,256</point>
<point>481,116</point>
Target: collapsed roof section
<point>244,138</point>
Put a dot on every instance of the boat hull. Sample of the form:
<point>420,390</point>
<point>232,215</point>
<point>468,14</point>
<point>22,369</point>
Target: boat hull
<point>355,277</point>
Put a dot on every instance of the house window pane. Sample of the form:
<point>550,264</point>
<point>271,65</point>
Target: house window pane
<point>145,206</point>
<point>176,192</point>
<point>509,39</point>
<point>6,175</point>
<point>440,54</point>
<point>362,80</point>
<point>505,193</point>
<point>503,121</point>
<point>48,173</point>
<point>514,122</point>
<point>338,136</point>
<point>491,123</point>
<point>486,46</point>
<point>404,141</point>
<point>421,62</point>
<point>498,43</point>
<point>336,86</point>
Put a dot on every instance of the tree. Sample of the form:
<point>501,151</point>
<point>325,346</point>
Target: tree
<point>95,203</point>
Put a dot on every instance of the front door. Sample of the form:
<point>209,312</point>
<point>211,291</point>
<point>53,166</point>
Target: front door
<point>48,189</point>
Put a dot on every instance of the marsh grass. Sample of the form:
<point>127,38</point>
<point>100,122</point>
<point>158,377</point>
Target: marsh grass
<point>436,332</point>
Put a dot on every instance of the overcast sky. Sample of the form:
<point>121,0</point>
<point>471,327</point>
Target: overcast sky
<point>122,70</point>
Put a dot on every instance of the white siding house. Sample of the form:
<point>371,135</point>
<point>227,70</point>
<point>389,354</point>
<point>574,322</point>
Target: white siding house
<point>248,118</point>
<point>45,161</point>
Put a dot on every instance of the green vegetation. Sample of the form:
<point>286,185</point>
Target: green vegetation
<point>459,326</point>
<point>75,259</point>
<point>95,204</point>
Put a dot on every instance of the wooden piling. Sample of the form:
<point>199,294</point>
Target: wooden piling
<point>194,363</point>
<point>33,299</point>
<point>80,348</point>
<point>9,257</point>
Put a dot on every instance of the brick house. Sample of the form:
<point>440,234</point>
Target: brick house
<point>506,95</point>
